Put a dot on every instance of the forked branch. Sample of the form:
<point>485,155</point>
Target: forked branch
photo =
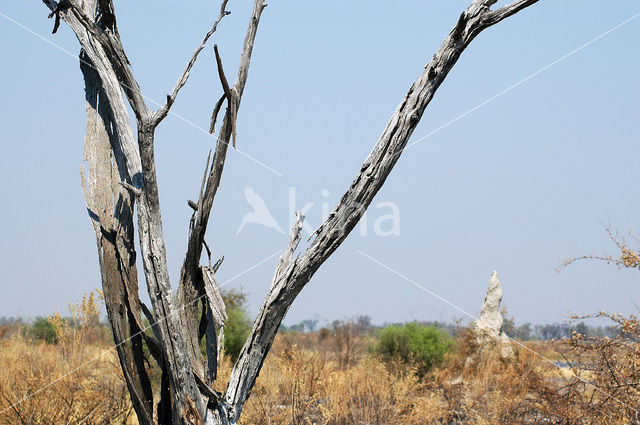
<point>358,197</point>
<point>191,286</point>
<point>161,113</point>
<point>229,94</point>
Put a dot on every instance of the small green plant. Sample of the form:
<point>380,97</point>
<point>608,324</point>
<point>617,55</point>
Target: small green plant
<point>42,330</point>
<point>419,346</point>
<point>238,324</point>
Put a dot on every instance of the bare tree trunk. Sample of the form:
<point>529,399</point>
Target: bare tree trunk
<point>102,46</point>
<point>122,173</point>
<point>113,224</point>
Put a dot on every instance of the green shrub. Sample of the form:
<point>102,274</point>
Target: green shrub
<point>422,347</point>
<point>238,325</point>
<point>42,330</point>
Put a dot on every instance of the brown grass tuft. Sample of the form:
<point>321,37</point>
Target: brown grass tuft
<point>52,381</point>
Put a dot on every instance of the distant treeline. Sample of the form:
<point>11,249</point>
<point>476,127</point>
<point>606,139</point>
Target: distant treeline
<point>40,329</point>
<point>526,331</point>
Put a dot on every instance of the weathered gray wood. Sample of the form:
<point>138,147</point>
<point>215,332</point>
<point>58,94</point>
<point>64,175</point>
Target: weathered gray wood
<point>358,197</point>
<point>104,48</point>
<point>190,288</point>
<point>176,355</point>
<point>113,226</point>
<point>214,297</point>
<point>127,150</point>
<point>216,317</point>
<point>230,94</point>
<point>102,45</point>
<point>285,260</point>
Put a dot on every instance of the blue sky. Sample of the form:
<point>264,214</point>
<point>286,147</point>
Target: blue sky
<point>517,185</point>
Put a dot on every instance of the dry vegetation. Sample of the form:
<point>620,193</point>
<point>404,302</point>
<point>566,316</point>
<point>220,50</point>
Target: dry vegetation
<point>71,382</point>
<point>333,377</point>
<point>306,381</point>
<point>605,382</point>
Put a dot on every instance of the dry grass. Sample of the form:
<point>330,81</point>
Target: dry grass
<point>305,381</point>
<point>311,386</point>
<point>474,386</point>
<point>483,388</point>
<point>304,386</point>
<point>52,383</point>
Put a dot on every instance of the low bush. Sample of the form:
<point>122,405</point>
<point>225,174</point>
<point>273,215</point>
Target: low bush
<point>42,330</point>
<point>422,347</point>
<point>238,324</point>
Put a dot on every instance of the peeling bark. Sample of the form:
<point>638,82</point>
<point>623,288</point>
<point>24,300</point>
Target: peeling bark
<point>113,226</point>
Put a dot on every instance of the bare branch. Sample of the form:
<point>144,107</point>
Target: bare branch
<point>214,298</point>
<point>106,55</point>
<point>504,12</point>
<point>216,111</point>
<point>217,166</point>
<point>189,289</point>
<point>216,316</point>
<point>247,367</point>
<point>204,181</point>
<point>285,260</point>
<point>161,113</point>
<point>229,94</point>
<point>354,202</point>
<point>223,78</point>
<point>134,190</point>
<point>247,50</point>
<point>206,247</point>
<point>217,265</point>
<point>75,13</point>
<point>629,257</point>
<point>63,4</point>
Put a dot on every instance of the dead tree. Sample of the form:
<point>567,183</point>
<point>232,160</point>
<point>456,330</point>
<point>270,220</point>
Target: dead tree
<point>122,175</point>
